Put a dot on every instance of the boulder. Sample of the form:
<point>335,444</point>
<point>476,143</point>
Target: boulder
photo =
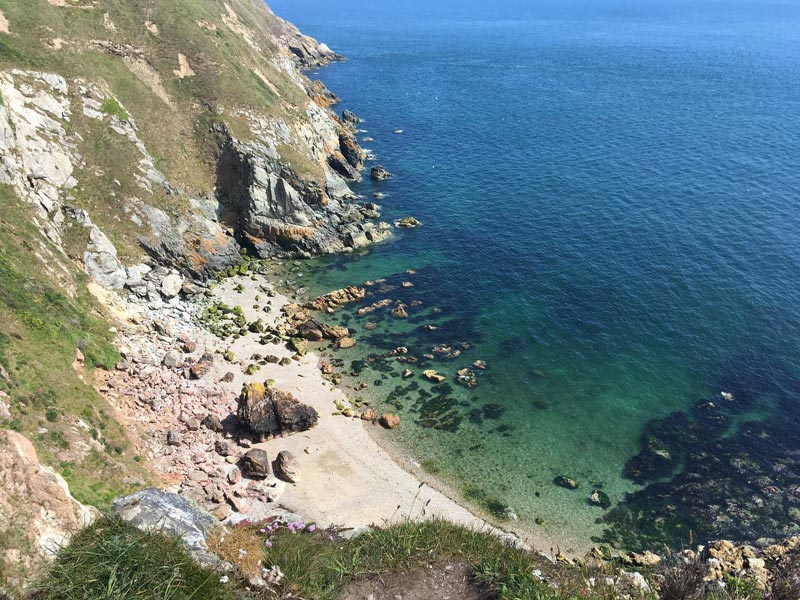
<point>171,285</point>
<point>599,498</point>
<point>390,421</point>
<point>369,415</point>
<point>566,482</point>
<point>213,423</point>
<point>407,223</point>
<point>201,367</point>
<point>156,510</point>
<point>287,467</point>
<point>347,342</point>
<point>255,464</point>
<point>172,359</point>
<point>267,412</point>
<point>349,116</point>
<point>378,173</point>
<point>174,438</point>
<point>223,448</point>
<point>432,375</point>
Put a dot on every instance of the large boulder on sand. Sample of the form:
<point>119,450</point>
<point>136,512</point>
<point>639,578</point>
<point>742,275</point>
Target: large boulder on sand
<point>255,464</point>
<point>287,467</point>
<point>266,411</point>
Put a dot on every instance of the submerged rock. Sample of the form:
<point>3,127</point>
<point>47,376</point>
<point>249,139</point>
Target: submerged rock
<point>599,498</point>
<point>390,421</point>
<point>566,482</point>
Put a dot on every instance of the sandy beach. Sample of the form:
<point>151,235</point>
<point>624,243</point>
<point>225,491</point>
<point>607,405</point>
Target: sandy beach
<point>347,479</point>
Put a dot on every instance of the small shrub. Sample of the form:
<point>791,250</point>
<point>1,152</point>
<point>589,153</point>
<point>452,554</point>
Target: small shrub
<point>111,106</point>
<point>785,585</point>
<point>682,580</point>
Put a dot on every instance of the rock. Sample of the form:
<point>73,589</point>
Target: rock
<point>369,415</point>
<point>346,343</point>
<point>466,377</point>
<point>228,377</point>
<point>37,510</point>
<point>311,330</point>
<point>351,151</point>
<point>645,559</point>
<point>350,117</point>
<point>100,260</point>
<point>223,448</point>
<point>156,510</point>
<point>287,467</point>
<point>432,375</point>
<point>390,421</point>
<point>407,223</point>
<point>255,464</point>
<point>234,476</point>
<point>566,482</point>
<point>267,411</point>
<point>174,438</point>
<point>172,359</point>
<point>213,423</point>
<point>400,312</point>
<point>171,285</point>
<point>378,173</point>
<point>480,365</point>
<point>599,498</point>
<point>408,373</point>
<point>201,367</point>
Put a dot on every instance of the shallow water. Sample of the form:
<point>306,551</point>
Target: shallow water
<point>610,204</point>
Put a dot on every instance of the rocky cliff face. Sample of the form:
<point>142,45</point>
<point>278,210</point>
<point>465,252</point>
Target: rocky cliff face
<point>146,145</point>
<point>271,161</point>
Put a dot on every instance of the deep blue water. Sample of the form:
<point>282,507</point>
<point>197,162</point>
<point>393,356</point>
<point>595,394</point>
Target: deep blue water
<point>609,194</point>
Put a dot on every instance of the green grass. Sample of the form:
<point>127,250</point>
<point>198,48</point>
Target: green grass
<point>112,106</point>
<point>46,315</point>
<point>319,568</point>
<point>112,561</point>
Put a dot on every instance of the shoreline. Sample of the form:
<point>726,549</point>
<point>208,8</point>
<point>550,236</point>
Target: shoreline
<point>348,478</point>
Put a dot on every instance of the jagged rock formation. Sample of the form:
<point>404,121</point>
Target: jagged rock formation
<point>156,510</point>
<point>146,147</point>
<point>114,193</point>
<point>266,412</point>
<point>47,516</point>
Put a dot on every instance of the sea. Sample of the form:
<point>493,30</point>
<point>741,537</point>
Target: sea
<point>609,195</point>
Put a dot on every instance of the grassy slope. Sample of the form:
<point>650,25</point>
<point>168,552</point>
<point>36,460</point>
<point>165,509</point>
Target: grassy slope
<point>176,134</point>
<point>319,566</point>
<point>41,328</point>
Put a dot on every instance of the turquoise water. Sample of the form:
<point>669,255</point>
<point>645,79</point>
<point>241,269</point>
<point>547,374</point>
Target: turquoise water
<point>609,195</point>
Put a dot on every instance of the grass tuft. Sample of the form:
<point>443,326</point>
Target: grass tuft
<point>113,561</point>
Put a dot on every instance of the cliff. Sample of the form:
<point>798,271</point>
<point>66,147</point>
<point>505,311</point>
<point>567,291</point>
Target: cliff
<point>144,147</point>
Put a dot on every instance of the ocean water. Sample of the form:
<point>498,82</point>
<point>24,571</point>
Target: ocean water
<point>610,198</point>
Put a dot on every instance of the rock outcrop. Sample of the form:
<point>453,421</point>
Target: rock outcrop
<point>267,412</point>
<point>156,510</point>
<point>37,511</point>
